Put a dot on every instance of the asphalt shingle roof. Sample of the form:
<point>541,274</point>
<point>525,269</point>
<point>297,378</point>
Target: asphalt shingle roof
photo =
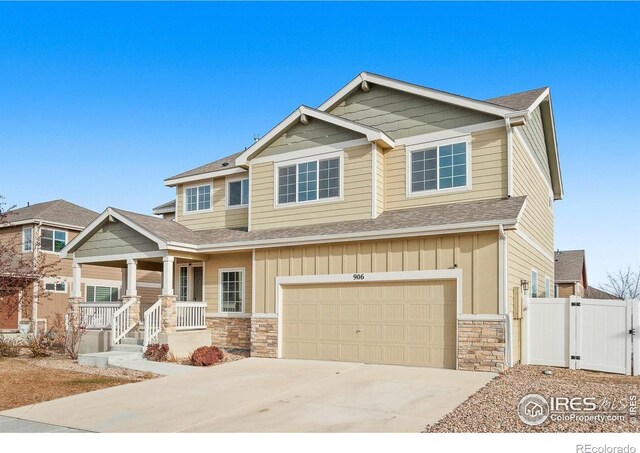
<point>55,211</point>
<point>169,206</point>
<point>495,210</point>
<point>225,162</point>
<point>518,101</point>
<point>568,265</point>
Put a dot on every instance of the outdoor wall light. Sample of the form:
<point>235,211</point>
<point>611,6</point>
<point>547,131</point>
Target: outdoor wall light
<point>524,284</point>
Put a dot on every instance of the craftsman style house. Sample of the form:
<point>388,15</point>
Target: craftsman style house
<point>393,224</point>
<point>45,228</point>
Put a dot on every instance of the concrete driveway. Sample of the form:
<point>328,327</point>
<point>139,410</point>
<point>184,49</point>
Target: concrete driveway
<point>269,395</point>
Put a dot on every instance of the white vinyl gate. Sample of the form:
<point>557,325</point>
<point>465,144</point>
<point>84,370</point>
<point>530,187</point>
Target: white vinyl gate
<point>589,334</point>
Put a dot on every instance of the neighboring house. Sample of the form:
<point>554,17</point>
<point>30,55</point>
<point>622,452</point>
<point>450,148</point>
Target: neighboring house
<point>595,293</point>
<point>166,210</point>
<point>48,227</point>
<point>392,224</point>
<point>570,273</point>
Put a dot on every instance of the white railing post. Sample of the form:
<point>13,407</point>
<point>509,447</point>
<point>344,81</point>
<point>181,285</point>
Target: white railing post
<point>122,324</point>
<point>191,315</point>
<point>152,323</point>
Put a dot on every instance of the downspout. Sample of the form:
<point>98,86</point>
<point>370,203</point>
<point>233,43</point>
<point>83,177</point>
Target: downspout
<point>36,285</point>
<point>503,296</point>
<point>507,122</point>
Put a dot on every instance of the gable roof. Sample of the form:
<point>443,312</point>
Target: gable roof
<point>364,78</point>
<point>372,134</point>
<point>221,167</point>
<point>520,101</point>
<point>165,208</point>
<point>569,266</point>
<point>595,293</point>
<point>472,215</point>
<point>55,212</point>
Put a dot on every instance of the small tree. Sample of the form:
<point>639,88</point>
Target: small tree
<point>623,283</point>
<point>68,332</point>
<point>18,271</point>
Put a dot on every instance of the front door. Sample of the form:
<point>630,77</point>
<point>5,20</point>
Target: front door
<point>9,310</point>
<point>190,283</point>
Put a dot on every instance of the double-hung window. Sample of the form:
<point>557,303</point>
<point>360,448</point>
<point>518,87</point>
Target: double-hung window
<point>309,181</point>
<point>197,198</point>
<point>438,167</point>
<point>238,193</point>
<point>96,293</point>
<point>52,240</point>
<point>231,290</point>
<point>27,239</point>
<point>55,286</point>
<point>534,283</point>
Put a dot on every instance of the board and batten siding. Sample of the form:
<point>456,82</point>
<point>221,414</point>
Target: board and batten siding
<point>355,205</point>
<point>475,254</point>
<point>521,258</point>
<point>533,133</point>
<point>219,216</point>
<point>380,188</point>
<point>488,174</point>
<point>304,136</point>
<point>115,239</point>
<point>400,114</point>
<point>537,217</point>
<point>212,266</point>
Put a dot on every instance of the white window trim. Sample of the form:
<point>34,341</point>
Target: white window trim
<point>316,158</point>
<point>244,288</point>
<point>547,284</point>
<point>436,144</point>
<point>49,280</point>
<point>227,182</point>
<point>66,239</point>
<point>184,198</point>
<point>23,241</point>
<point>534,270</point>
<point>110,286</point>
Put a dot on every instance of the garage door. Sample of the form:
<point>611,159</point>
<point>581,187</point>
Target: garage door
<point>404,323</point>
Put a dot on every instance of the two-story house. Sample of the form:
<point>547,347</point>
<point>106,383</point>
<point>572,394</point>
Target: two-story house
<point>45,228</point>
<point>393,224</point>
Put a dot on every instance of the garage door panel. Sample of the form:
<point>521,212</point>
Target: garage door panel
<point>410,323</point>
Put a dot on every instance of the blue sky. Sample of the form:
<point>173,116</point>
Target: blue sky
<point>100,102</point>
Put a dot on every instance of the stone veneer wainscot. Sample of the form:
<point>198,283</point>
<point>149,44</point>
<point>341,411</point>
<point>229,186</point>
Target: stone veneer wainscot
<point>481,345</point>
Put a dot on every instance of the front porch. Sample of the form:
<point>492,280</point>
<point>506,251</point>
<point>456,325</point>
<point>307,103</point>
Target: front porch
<point>175,319</point>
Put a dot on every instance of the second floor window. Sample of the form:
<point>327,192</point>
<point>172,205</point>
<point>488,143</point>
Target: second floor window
<point>27,239</point>
<point>439,167</point>
<point>309,181</point>
<point>238,193</point>
<point>197,198</point>
<point>52,240</point>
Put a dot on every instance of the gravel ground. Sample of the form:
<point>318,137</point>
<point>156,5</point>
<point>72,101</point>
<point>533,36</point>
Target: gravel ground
<point>493,409</point>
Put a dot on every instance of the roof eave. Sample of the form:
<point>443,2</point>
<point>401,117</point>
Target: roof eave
<point>172,182</point>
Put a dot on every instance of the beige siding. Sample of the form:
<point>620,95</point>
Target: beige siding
<point>114,239</point>
<point>402,114</point>
<point>380,192</point>
<point>219,216</point>
<point>521,258</point>
<point>533,133</point>
<point>212,266</point>
<point>302,136</point>
<point>475,254</point>
<point>566,289</point>
<point>488,174</point>
<point>537,217</point>
<point>356,203</point>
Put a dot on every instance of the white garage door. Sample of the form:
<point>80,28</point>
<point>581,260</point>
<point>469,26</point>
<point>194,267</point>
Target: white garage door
<point>403,322</point>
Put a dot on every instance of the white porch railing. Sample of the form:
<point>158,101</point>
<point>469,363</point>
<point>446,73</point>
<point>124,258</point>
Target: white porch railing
<point>152,323</point>
<point>97,315</point>
<point>191,315</point>
<point>121,324</point>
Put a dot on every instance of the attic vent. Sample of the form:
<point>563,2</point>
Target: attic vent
<point>225,164</point>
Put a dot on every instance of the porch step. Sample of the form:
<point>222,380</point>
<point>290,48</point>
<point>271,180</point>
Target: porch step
<point>127,347</point>
<point>135,341</point>
<point>105,359</point>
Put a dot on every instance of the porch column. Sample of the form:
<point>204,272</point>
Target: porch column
<point>76,294</point>
<point>167,276</point>
<point>132,292</point>
<point>132,266</point>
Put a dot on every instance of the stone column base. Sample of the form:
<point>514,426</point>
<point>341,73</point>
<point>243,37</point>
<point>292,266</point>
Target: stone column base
<point>264,337</point>
<point>230,332</point>
<point>169,313</point>
<point>134,312</point>
<point>481,345</point>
